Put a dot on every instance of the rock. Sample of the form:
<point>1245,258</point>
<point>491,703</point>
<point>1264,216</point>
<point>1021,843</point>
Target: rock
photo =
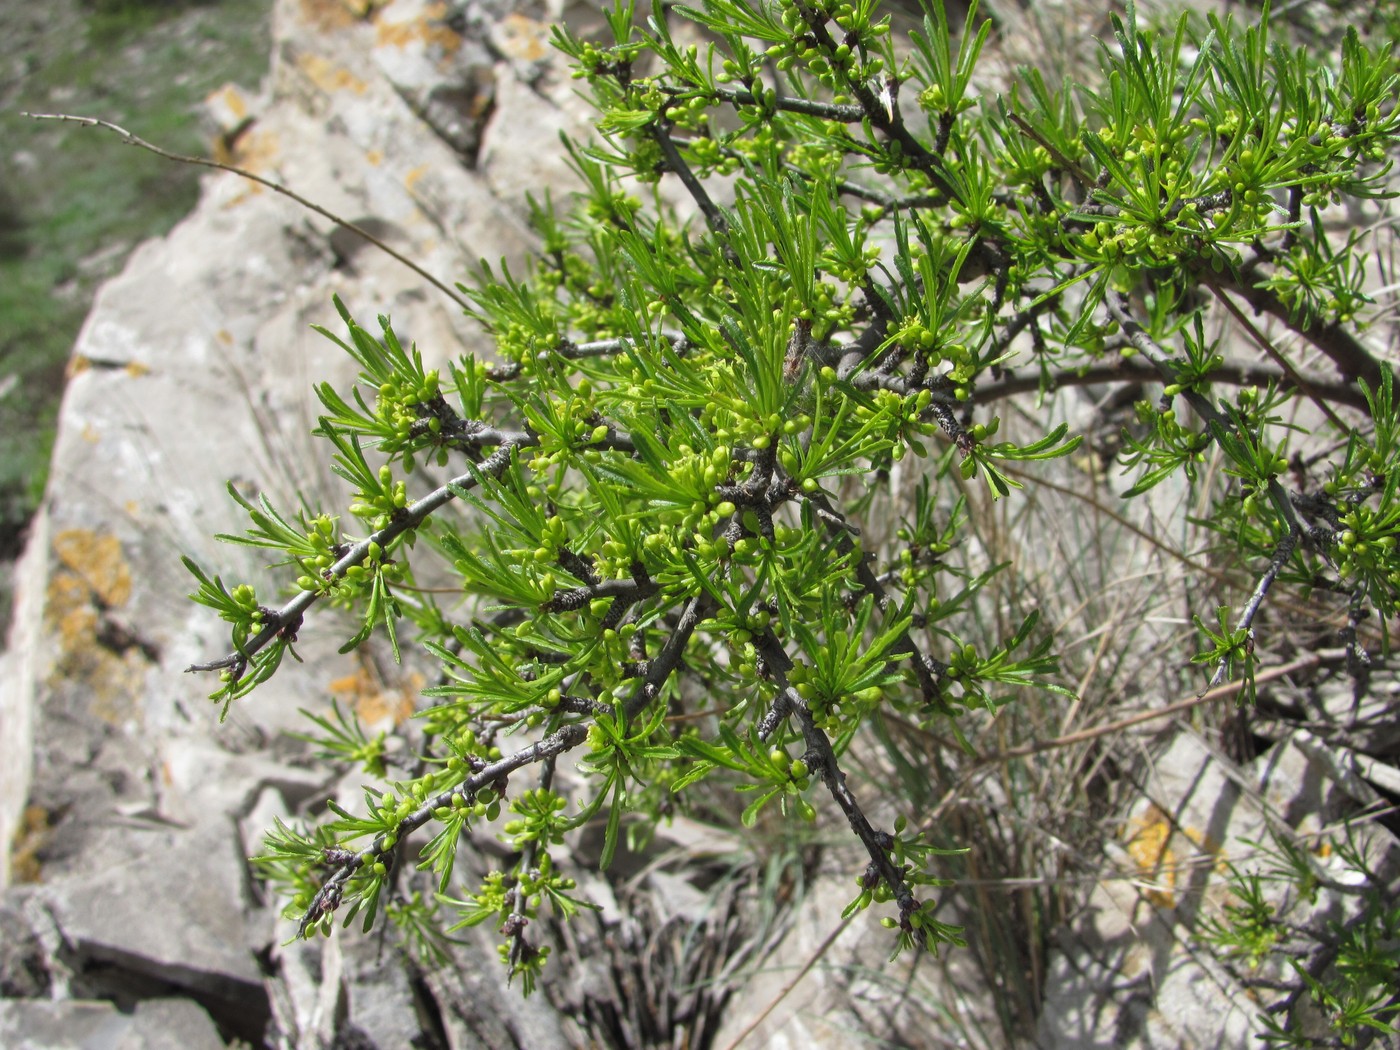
<point>157,1024</point>
<point>1132,971</point>
<point>27,1024</point>
<point>447,78</point>
<point>171,1024</point>
<point>20,668</point>
<point>169,905</point>
<point>195,367</point>
<point>23,971</point>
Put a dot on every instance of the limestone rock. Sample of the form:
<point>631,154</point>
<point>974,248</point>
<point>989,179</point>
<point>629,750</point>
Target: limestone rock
<point>70,1025</point>
<point>1132,972</point>
<point>447,78</point>
<point>194,368</point>
<point>23,971</point>
<point>171,1024</point>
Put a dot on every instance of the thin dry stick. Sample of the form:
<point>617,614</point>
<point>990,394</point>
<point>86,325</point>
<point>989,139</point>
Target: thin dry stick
<point>796,980</point>
<point>204,162</point>
<point>1119,519</point>
<point>1210,571</point>
<point>1228,689</point>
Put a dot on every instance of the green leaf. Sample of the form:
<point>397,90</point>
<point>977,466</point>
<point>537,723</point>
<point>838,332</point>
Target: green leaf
<point>750,815</point>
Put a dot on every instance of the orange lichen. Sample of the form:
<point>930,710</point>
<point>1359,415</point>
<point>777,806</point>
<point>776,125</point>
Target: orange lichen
<point>333,14</point>
<point>523,38</point>
<point>427,29</point>
<point>231,98</point>
<point>328,76</point>
<point>70,609</point>
<point>80,363</point>
<point>94,577</point>
<point>98,561</point>
<point>257,151</point>
<point>32,835</point>
<point>373,702</point>
<point>1159,848</point>
<point>1149,844</point>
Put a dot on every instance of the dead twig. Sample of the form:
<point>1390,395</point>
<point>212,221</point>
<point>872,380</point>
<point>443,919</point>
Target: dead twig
<point>205,162</point>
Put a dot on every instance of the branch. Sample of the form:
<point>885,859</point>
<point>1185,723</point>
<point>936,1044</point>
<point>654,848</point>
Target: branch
<point>204,162</point>
<point>877,844</point>
<point>1127,371</point>
<point>327,898</point>
<point>1282,552</point>
<point>925,667</point>
<point>675,163</point>
<point>1294,378</point>
<point>1342,347</point>
<point>659,669</point>
<point>1305,663</point>
<point>571,351</point>
<point>1122,370</point>
<point>845,113</point>
<point>883,118</point>
<point>516,922</point>
<point>1117,304</point>
<point>628,590</point>
<point>463,435</point>
<point>412,516</point>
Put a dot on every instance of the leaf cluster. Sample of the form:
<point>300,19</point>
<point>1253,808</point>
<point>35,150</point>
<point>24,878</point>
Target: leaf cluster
<point>661,514</point>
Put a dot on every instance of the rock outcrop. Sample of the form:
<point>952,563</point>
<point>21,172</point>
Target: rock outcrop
<point>131,918</point>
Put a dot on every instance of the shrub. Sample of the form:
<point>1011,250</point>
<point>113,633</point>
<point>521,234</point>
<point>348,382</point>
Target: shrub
<point>671,488</point>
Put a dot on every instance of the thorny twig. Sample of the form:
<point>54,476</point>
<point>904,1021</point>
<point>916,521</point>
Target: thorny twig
<point>1282,552</point>
<point>464,435</point>
<point>927,670</point>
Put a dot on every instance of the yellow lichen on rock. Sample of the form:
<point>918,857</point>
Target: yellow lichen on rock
<point>414,176</point>
<point>522,38</point>
<point>328,76</point>
<point>32,835</point>
<point>427,28</point>
<point>94,578</point>
<point>70,610</point>
<point>97,560</point>
<point>257,151</point>
<point>364,8</point>
<point>1149,844</point>
<point>374,703</point>
<point>327,15</point>
<point>231,98</point>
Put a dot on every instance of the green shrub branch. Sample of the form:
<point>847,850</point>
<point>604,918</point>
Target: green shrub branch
<point>663,488</point>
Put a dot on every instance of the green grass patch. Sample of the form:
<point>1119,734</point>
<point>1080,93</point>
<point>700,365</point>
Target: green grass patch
<point>77,200</point>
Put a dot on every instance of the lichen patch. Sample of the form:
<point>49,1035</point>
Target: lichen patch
<point>98,561</point>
